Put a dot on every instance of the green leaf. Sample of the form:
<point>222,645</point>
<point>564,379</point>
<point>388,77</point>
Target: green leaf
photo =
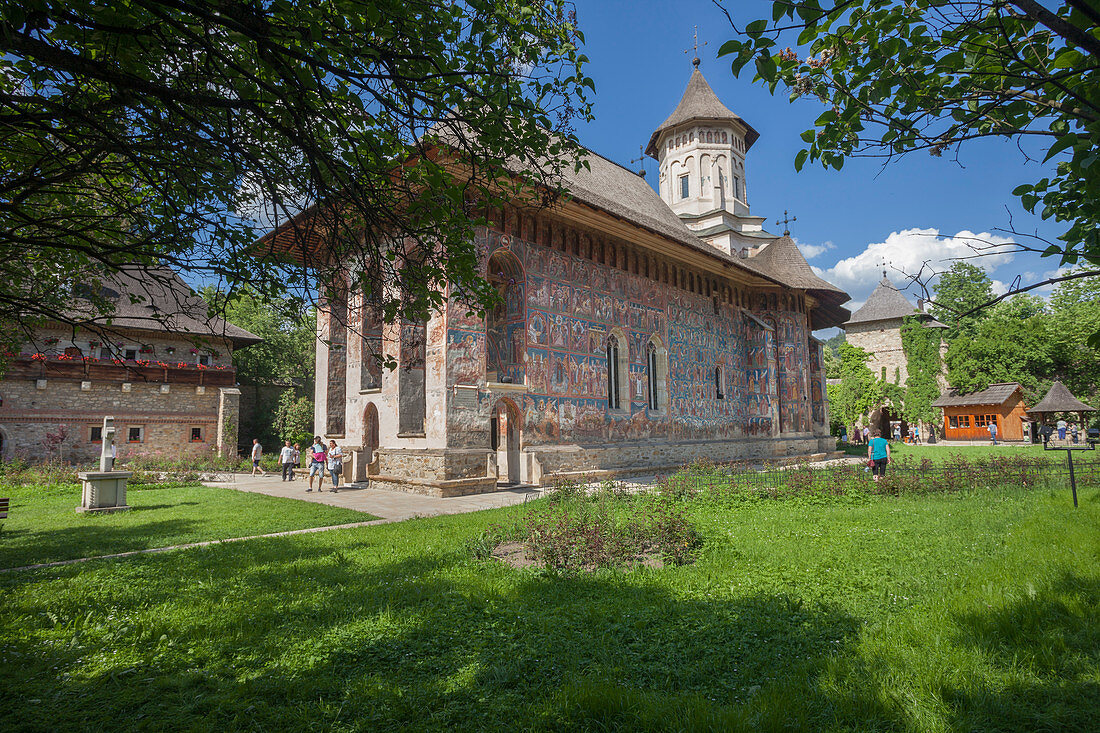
<point>800,159</point>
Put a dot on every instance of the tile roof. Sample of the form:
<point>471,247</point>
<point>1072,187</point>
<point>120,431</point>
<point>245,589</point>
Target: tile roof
<point>994,394</point>
<point>1060,399</point>
<point>699,103</point>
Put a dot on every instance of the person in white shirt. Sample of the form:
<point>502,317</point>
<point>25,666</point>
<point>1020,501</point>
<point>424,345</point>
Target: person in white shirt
<point>257,451</point>
<point>335,464</point>
<point>286,457</point>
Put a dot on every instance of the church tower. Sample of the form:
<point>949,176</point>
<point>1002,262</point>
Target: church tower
<point>700,150</point>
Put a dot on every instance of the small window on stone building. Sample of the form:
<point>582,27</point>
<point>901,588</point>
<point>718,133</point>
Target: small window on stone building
<point>130,354</point>
<point>104,352</point>
<point>685,187</point>
<point>718,391</point>
<point>737,187</point>
<point>204,359</point>
<point>95,435</point>
<point>135,434</point>
<point>196,435</point>
<point>651,374</point>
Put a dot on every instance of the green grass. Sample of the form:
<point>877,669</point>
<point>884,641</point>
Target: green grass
<point>939,453</point>
<point>976,612</point>
<point>43,525</point>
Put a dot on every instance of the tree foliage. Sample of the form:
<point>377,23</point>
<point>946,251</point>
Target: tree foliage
<point>897,76</point>
<point>958,293</point>
<point>859,391</point>
<point>176,132</point>
<point>286,354</point>
<point>294,418</point>
<point>923,366</point>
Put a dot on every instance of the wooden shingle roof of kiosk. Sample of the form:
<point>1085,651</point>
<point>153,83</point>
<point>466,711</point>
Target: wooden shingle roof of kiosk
<point>1059,399</point>
<point>885,303</point>
<point>700,103</point>
<point>994,394</point>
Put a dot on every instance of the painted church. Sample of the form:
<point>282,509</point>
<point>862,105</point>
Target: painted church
<point>639,330</point>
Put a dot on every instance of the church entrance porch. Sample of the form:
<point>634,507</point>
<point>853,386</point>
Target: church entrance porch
<point>504,436</point>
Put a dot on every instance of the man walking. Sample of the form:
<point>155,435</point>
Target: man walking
<point>286,457</point>
<point>993,431</point>
<point>257,452</point>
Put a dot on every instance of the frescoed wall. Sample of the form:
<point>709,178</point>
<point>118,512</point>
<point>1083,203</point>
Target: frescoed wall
<point>570,306</point>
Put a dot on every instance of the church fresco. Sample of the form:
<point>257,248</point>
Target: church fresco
<point>570,305</point>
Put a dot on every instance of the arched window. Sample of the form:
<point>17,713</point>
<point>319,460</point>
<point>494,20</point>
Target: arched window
<point>719,392</point>
<point>614,387</point>
<point>651,374</point>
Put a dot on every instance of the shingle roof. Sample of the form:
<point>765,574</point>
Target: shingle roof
<point>699,103</point>
<point>165,303</point>
<point>994,394</point>
<point>1060,399</point>
<point>885,303</point>
<point>783,258</point>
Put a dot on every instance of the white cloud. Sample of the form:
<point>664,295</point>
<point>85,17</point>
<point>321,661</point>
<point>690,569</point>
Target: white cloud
<point>809,251</point>
<point>917,252</point>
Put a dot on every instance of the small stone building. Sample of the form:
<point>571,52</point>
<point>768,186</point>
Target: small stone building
<point>638,331</point>
<point>968,416</point>
<point>162,367</point>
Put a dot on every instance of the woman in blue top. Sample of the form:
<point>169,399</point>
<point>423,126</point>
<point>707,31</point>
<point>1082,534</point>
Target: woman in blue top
<point>878,452</point>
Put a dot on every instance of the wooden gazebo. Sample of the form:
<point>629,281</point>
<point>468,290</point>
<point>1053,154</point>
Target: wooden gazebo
<point>1059,399</point>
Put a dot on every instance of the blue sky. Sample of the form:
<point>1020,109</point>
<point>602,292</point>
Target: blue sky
<point>848,220</point>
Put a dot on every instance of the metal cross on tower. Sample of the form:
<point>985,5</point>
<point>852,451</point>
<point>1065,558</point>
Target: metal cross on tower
<point>786,222</point>
<point>695,48</point>
<point>640,160</point>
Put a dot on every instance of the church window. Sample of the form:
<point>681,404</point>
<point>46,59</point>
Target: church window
<point>737,187</point>
<point>691,136</point>
<point>724,139</point>
<point>710,136</point>
<point>651,374</point>
<point>614,388</point>
<point>685,188</point>
<point>719,393</point>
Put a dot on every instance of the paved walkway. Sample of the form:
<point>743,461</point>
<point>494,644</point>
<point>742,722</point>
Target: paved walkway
<point>392,506</point>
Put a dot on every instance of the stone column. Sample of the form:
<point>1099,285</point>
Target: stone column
<point>229,411</point>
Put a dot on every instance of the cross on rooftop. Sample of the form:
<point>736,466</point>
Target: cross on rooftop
<point>786,221</point>
<point>695,48</point>
<point>640,159</point>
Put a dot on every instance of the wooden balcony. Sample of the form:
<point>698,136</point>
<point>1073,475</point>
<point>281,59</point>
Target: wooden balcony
<point>23,367</point>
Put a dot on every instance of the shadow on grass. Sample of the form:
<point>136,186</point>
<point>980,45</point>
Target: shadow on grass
<point>91,540</point>
<point>300,634</point>
<point>296,635</point>
<point>1051,637</point>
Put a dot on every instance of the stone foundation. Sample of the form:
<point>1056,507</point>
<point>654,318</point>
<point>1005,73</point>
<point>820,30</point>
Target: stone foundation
<point>459,472</point>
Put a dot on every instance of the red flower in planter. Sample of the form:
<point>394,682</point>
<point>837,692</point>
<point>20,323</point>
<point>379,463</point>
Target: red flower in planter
<point>118,361</point>
<point>38,356</point>
<point>182,365</point>
<point>141,362</point>
<point>162,364</point>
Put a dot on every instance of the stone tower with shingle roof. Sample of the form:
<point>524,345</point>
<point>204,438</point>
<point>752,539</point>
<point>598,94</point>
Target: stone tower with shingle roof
<point>700,150</point>
<point>876,328</point>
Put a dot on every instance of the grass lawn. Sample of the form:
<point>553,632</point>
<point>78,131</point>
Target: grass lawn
<point>43,525</point>
<point>975,612</point>
<point>939,453</point>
